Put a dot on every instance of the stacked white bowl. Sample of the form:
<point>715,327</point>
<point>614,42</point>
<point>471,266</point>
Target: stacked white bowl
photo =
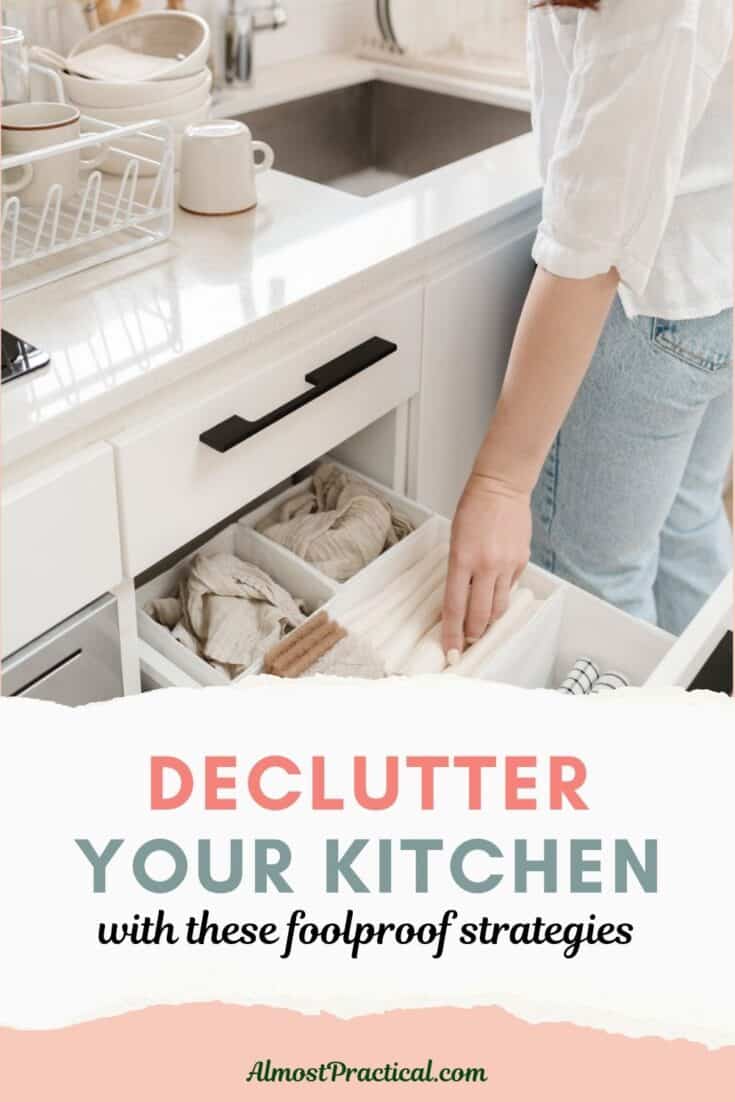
<point>171,47</point>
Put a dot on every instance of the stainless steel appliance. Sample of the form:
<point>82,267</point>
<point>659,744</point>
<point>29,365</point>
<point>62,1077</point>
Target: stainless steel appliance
<point>20,357</point>
<point>77,662</point>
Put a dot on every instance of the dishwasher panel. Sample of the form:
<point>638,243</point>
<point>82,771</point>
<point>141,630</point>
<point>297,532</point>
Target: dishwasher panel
<point>77,662</point>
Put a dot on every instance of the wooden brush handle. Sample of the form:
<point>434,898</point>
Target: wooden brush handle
<point>107,12</point>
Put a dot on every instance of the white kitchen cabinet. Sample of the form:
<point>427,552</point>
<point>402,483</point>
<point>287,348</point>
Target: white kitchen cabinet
<point>60,544</point>
<point>470,315</point>
<point>173,485</point>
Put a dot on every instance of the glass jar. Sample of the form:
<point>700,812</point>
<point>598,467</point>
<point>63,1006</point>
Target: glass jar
<point>15,78</point>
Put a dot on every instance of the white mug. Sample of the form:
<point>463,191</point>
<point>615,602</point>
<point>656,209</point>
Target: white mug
<point>29,127</point>
<point>218,167</point>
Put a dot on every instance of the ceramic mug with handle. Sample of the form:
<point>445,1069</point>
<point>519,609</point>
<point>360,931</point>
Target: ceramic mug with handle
<point>30,127</point>
<point>219,166</point>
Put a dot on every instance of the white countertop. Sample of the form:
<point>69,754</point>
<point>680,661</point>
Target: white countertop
<point>124,329</point>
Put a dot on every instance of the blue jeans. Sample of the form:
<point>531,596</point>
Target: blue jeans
<point>629,502</point>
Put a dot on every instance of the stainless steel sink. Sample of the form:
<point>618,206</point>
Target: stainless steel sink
<point>370,137</point>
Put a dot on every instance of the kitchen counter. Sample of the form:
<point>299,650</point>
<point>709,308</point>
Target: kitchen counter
<point>123,330</point>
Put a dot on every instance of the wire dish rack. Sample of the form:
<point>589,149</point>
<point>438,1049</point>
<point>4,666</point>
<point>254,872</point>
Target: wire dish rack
<point>124,205</point>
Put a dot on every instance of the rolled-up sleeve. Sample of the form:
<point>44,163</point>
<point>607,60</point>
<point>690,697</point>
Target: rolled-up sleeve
<point>635,95</point>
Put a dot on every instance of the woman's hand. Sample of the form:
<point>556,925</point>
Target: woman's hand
<point>491,540</point>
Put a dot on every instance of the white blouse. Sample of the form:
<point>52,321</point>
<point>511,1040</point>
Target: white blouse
<point>633,115</point>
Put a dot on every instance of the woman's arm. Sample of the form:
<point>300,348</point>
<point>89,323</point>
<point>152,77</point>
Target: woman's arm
<point>558,331</point>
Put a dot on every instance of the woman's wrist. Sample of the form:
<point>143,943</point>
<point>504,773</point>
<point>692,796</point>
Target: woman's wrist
<point>500,487</point>
<point>510,458</point>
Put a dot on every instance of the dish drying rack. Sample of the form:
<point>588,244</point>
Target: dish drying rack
<point>125,205</point>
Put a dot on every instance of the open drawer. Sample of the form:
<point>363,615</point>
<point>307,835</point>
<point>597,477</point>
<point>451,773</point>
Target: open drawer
<point>247,426</point>
<point>165,662</point>
<point>564,624</point>
<point>691,652</point>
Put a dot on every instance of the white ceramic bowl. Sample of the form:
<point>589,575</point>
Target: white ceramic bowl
<point>169,34</point>
<point>116,95</point>
<point>168,109</point>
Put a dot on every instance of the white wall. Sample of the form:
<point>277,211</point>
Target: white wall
<point>493,27</point>
<point>314,26</point>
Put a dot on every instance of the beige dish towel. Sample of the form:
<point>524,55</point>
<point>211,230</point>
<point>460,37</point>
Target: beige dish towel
<point>340,525</point>
<point>229,612</point>
<point>352,657</point>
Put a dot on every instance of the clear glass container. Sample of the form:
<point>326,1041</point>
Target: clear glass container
<point>15,77</point>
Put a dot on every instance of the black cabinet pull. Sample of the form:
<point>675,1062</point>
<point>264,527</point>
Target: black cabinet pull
<point>236,430</point>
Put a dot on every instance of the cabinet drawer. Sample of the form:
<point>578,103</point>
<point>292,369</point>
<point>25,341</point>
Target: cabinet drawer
<point>567,623</point>
<point>181,474</point>
<point>691,650</point>
<point>60,544</point>
<point>77,662</point>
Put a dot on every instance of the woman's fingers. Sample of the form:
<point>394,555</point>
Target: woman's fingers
<point>480,608</point>
<point>501,597</point>
<point>455,608</point>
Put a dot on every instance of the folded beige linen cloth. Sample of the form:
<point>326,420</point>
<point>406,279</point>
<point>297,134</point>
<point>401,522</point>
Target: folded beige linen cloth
<point>351,657</point>
<point>229,612</point>
<point>339,525</point>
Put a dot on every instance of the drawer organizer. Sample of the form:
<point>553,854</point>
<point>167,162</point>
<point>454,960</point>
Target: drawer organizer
<point>566,623</point>
<point>298,577</point>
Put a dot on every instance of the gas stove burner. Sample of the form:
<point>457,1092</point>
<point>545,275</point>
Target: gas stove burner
<point>20,357</point>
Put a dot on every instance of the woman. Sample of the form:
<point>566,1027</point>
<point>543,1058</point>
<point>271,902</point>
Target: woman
<point>608,451</point>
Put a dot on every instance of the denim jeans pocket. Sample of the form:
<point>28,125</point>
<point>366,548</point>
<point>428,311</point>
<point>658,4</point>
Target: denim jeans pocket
<point>704,343</point>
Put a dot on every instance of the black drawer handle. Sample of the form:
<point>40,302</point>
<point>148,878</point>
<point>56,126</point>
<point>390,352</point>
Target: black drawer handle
<point>235,430</point>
